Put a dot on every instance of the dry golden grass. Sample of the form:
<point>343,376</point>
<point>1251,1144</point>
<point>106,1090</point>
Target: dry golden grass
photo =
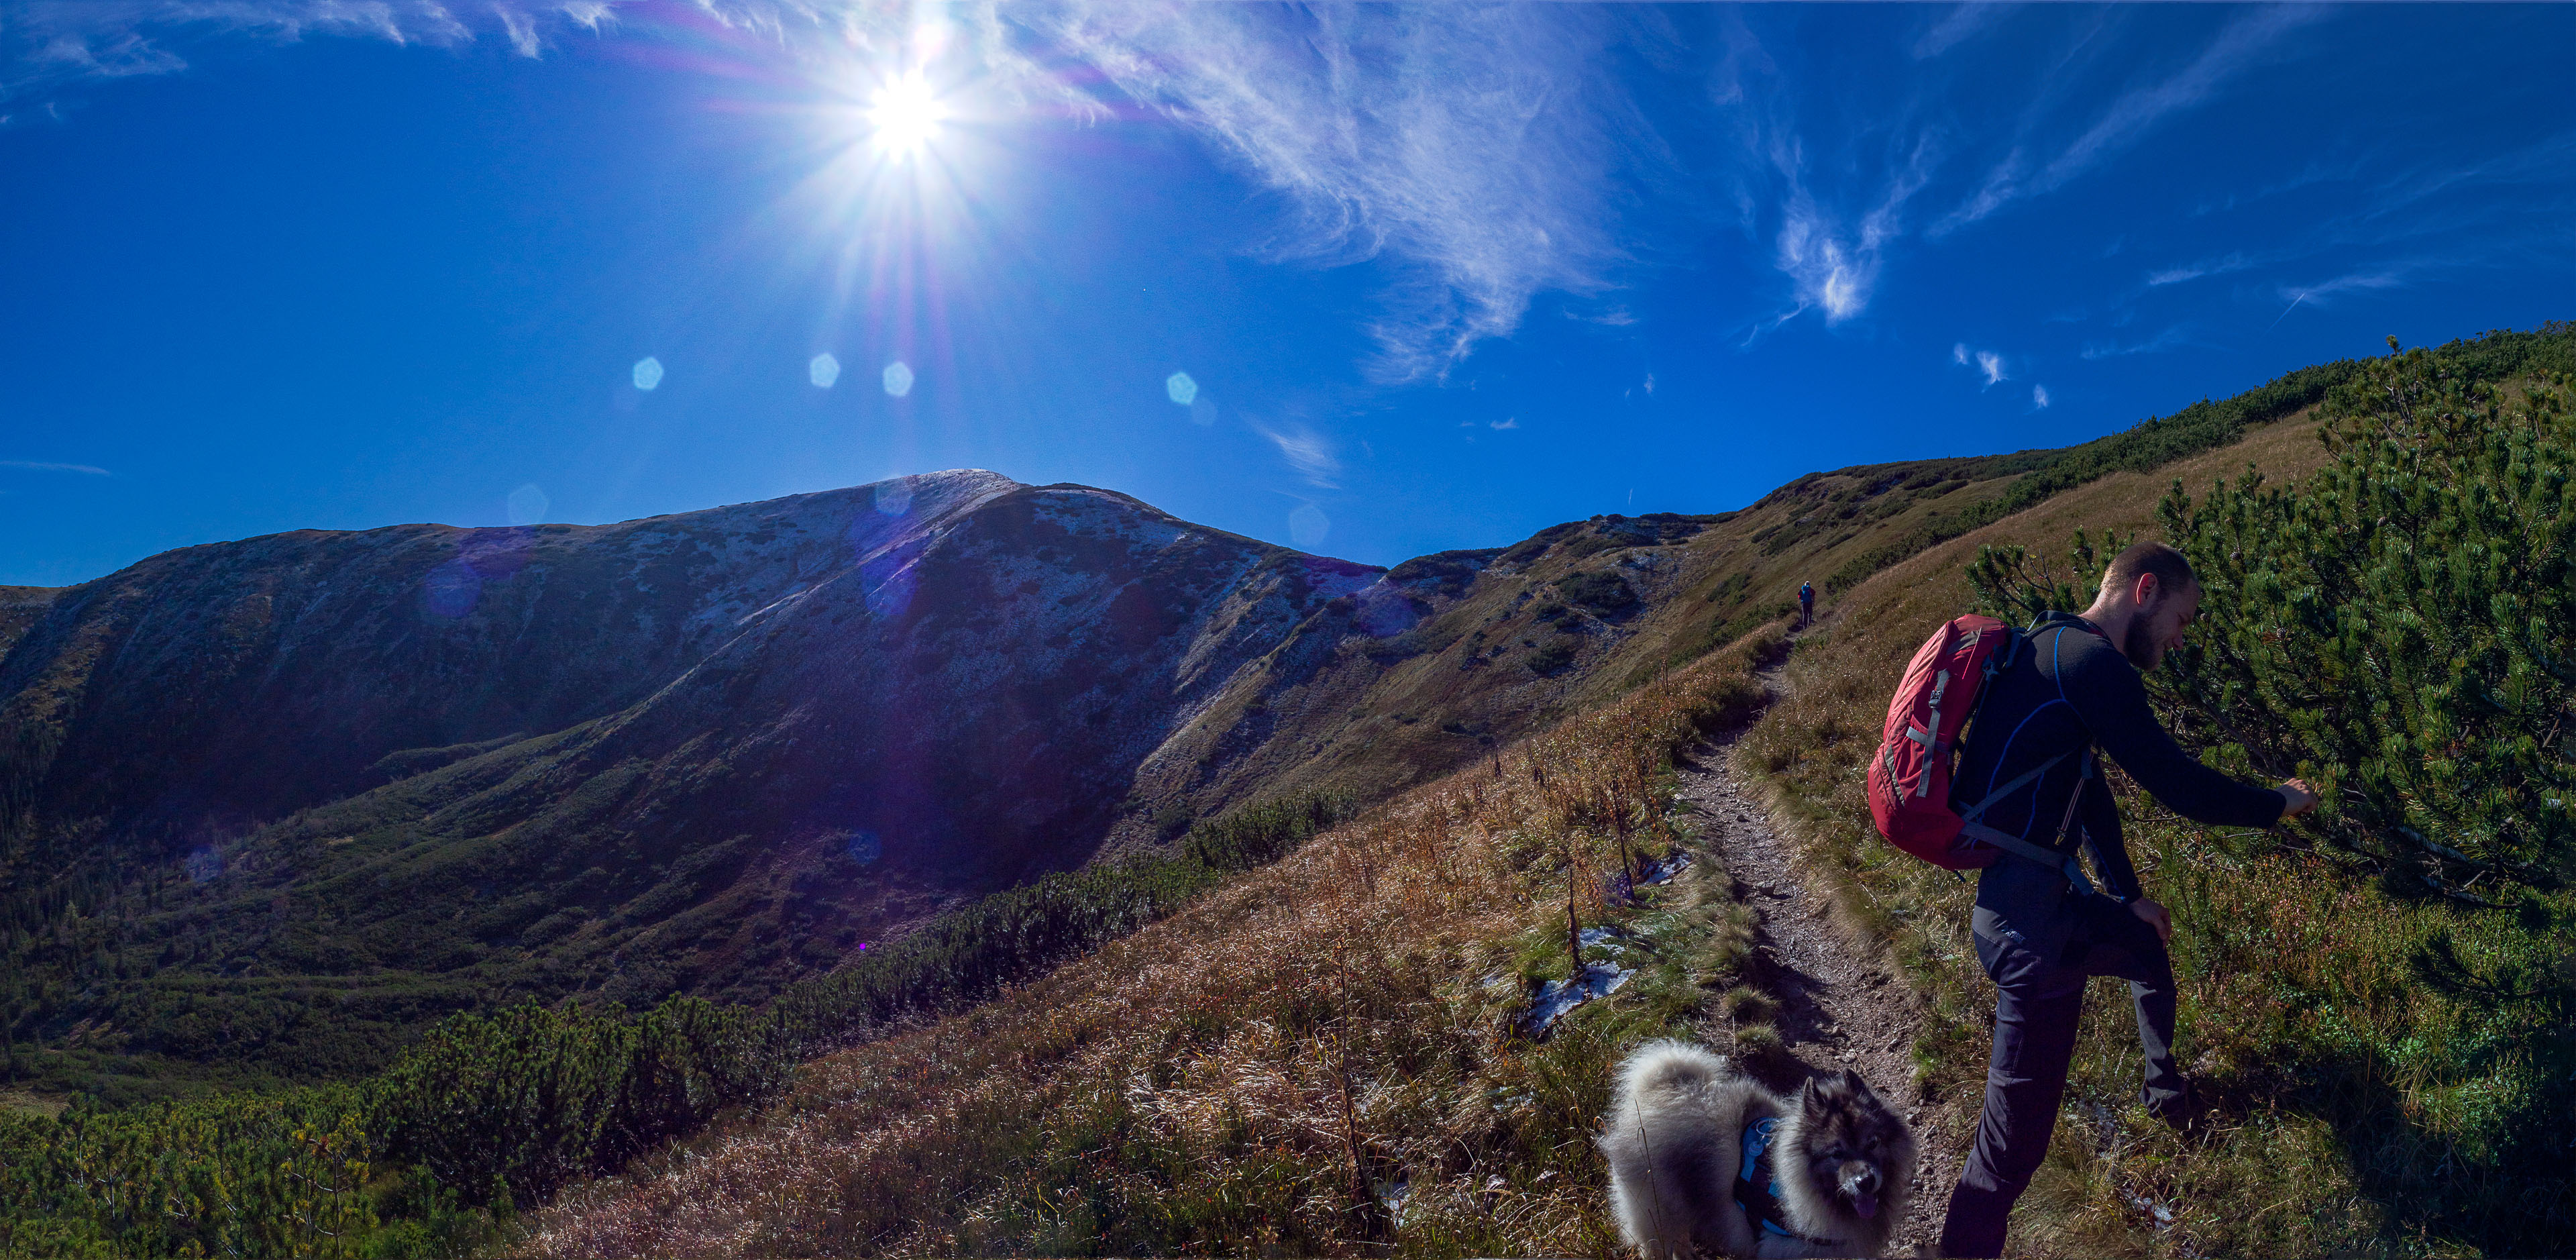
<point>2319,1151</point>
<point>1275,1069</point>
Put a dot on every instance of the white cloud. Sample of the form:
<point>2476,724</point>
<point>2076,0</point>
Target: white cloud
<point>2196,270</point>
<point>1958,26</point>
<point>1828,273</point>
<point>1464,142</point>
<point>1468,148</point>
<point>45,45</point>
<point>1307,451</point>
<point>2039,397</point>
<point>36,465</point>
<point>2358,282</point>
<point>1988,363</point>
<point>2242,44</point>
<point>1834,265</point>
<point>1513,423</point>
<point>2166,340</point>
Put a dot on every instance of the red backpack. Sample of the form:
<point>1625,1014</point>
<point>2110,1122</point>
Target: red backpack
<point>1909,779</point>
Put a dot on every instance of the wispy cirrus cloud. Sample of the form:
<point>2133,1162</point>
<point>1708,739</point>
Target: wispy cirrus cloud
<point>1829,233</point>
<point>2239,46</point>
<point>37,465</point>
<point>2169,339</point>
<point>1308,452</point>
<point>2195,270</point>
<point>1958,26</point>
<point>2039,398</point>
<point>1988,363</point>
<point>1834,266</point>
<point>2353,282</point>
<point>2312,174</point>
<point>1467,144</point>
<point>1469,149</point>
<point>49,43</point>
<point>2324,293</point>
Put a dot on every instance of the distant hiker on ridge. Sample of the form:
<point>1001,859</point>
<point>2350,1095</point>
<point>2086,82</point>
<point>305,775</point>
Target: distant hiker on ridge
<point>1806,605</point>
<point>2076,690</point>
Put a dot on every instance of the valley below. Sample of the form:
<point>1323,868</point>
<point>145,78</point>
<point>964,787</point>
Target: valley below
<point>951,865</point>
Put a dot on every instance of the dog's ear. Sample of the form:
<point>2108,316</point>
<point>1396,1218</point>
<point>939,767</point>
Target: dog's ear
<point>1858,1087</point>
<point>1807,1094</point>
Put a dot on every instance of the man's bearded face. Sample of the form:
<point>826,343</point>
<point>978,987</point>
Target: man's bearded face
<point>2157,628</point>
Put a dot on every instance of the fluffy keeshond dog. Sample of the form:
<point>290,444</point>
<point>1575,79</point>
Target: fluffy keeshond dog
<point>1841,1163</point>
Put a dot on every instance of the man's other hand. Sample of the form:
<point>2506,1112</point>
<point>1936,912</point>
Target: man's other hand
<point>2155,917</point>
<point>2297,797</point>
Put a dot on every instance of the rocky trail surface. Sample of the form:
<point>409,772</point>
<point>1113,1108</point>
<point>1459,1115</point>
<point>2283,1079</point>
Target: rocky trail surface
<point>1840,1007</point>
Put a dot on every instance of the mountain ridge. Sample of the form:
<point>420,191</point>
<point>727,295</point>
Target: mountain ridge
<point>636,758</point>
<point>712,752</point>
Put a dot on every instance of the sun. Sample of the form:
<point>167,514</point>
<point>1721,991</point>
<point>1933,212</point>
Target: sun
<point>904,114</point>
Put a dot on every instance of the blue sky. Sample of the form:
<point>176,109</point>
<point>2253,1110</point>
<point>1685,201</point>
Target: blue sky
<point>1436,276</point>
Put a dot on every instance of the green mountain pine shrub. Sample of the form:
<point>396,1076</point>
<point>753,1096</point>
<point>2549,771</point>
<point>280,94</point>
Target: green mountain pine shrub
<point>2206,426</point>
<point>492,1110</point>
<point>2402,627</point>
<point>2396,629</point>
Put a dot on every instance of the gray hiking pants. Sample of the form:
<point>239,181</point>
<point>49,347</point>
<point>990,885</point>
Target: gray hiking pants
<point>2038,1004</point>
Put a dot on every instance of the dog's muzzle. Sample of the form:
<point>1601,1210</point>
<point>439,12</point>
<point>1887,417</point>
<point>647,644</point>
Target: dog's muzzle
<point>1860,1183</point>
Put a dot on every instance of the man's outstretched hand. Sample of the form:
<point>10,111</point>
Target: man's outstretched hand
<point>2155,917</point>
<point>2299,798</point>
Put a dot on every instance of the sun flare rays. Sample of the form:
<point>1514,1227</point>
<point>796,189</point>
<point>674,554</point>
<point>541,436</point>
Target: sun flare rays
<point>904,115</point>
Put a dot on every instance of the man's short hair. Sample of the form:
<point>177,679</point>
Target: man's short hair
<point>2173,572</point>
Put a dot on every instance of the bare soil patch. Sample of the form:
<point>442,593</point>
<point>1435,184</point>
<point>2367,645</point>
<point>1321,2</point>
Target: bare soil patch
<point>1841,1004</point>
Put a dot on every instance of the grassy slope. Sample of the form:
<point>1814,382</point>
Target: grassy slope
<point>1388,713</point>
<point>1262,1072</point>
<point>257,982</point>
<point>2294,982</point>
<point>1502,661</point>
<point>1270,1069</point>
<point>377,914</point>
<point>1724,575</point>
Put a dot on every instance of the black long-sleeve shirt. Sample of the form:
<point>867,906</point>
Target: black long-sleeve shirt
<point>2072,687</point>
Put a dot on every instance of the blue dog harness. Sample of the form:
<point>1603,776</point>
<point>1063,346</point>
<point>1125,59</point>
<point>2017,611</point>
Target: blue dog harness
<point>1759,1191</point>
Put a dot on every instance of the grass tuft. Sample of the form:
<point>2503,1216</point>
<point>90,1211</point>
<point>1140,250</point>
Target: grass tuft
<point>1263,1070</point>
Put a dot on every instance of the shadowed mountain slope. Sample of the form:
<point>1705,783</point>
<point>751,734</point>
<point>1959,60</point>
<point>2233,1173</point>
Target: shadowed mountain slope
<point>282,799</point>
<point>625,757</point>
<point>278,802</point>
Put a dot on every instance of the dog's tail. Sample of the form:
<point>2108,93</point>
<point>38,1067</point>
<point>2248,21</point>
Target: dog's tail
<point>1669,1067</point>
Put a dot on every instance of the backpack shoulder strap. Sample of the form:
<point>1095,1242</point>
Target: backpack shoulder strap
<point>2064,863</point>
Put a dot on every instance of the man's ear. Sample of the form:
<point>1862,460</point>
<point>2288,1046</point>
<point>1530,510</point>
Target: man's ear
<point>2144,590</point>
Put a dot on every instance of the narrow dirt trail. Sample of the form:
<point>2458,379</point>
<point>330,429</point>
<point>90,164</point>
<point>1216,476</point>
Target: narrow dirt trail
<point>1839,1007</point>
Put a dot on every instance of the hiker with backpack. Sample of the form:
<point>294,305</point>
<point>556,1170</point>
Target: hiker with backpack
<point>1806,605</point>
<point>2024,793</point>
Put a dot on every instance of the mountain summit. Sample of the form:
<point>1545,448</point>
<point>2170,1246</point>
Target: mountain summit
<point>277,802</point>
<point>835,706</point>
